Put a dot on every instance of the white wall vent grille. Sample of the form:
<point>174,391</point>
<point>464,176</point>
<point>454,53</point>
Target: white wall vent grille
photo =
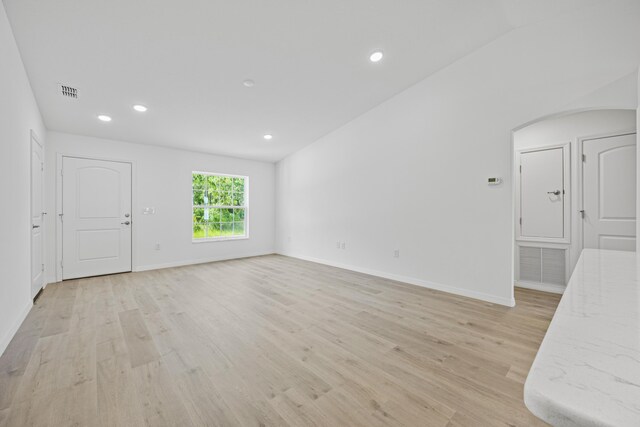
<point>68,91</point>
<point>530,264</point>
<point>543,265</point>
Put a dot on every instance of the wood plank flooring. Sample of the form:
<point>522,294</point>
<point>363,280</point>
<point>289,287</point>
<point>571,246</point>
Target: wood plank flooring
<point>268,341</point>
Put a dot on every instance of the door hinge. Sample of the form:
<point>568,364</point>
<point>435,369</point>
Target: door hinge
<point>520,168</point>
<point>61,172</point>
<point>584,157</point>
<point>42,166</point>
<point>61,216</point>
<point>42,267</point>
<point>520,220</point>
<point>61,264</point>
<point>581,213</point>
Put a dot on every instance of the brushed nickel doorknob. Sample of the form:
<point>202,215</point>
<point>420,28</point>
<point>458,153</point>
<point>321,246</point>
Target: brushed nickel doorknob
<point>126,223</point>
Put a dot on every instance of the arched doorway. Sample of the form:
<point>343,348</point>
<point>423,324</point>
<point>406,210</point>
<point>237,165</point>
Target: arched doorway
<point>549,232</point>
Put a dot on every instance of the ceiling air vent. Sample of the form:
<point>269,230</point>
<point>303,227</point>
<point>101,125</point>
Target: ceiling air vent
<point>68,91</point>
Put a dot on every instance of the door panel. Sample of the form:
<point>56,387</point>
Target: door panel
<point>37,223</point>
<point>542,213</point>
<point>96,217</point>
<point>618,243</point>
<point>617,166</point>
<point>98,244</point>
<point>98,193</point>
<point>609,193</point>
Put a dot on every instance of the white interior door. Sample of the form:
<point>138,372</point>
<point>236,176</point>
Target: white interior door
<point>37,216</point>
<point>609,193</point>
<point>96,220</point>
<point>542,207</point>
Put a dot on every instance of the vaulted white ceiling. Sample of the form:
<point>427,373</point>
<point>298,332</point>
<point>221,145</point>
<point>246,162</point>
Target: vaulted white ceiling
<point>186,60</point>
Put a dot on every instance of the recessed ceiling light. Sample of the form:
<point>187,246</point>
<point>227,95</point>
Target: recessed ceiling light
<point>376,56</point>
<point>104,118</point>
<point>268,137</point>
<point>248,83</point>
<point>141,108</point>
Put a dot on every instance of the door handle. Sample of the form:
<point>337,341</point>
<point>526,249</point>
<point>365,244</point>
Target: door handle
<point>555,193</point>
<point>126,223</point>
<point>35,226</point>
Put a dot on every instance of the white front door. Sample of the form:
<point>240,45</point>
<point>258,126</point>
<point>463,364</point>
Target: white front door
<point>96,217</point>
<point>542,198</point>
<point>609,192</point>
<point>37,214</point>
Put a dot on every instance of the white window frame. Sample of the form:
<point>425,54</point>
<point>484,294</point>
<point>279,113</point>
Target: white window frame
<point>245,206</point>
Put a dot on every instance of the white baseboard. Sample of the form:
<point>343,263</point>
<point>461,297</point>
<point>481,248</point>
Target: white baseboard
<point>509,302</point>
<point>198,261</point>
<point>11,333</point>
<point>544,287</point>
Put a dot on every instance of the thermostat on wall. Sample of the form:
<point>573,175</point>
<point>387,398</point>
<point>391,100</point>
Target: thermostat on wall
<point>494,181</point>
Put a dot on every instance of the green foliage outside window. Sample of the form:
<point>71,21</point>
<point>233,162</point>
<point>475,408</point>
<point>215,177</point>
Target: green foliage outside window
<point>219,206</point>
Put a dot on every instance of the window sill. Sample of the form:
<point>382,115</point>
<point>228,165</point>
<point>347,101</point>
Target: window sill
<point>219,239</point>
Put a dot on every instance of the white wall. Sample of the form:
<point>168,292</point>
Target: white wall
<point>162,179</point>
<point>638,163</point>
<point>411,173</point>
<point>18,115</point>
<point>568,129</point>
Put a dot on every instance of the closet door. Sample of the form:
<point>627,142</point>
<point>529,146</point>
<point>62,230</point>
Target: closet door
<point>609,193</point>
<point>542,194</point>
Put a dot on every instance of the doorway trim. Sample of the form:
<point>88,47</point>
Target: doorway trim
<point>580,183</point>
<point>58,217</point>
<point>34,138</point>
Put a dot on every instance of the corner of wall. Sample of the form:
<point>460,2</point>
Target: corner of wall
<point>6,339</point>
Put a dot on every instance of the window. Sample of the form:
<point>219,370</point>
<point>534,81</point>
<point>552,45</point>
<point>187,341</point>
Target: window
<point>220,206</point>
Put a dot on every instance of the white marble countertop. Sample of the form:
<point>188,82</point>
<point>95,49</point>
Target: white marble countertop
<point>587,370</point>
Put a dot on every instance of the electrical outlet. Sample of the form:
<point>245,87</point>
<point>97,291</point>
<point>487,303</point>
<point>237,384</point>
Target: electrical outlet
<point>396,253</point>
<point>344,245</point>
<point>157,246</point>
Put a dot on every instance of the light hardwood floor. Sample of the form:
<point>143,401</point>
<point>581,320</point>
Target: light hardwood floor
<point>268,341</point>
